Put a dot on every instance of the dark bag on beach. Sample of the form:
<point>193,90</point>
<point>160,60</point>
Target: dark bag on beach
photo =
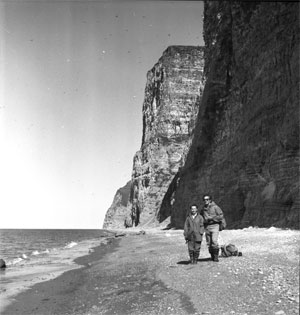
<point>230,250</point>
<point>222,225</point>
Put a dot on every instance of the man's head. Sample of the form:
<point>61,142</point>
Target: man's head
<point>207,199</point>
<point>194,208</point>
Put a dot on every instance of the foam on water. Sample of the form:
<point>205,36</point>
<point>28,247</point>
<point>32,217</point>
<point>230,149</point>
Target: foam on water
<point>18,247</point>
<point>34,256</point>
<point>15,243</point>
<point>70,245</point>
<point>14,261</point>
<point>22,273</point>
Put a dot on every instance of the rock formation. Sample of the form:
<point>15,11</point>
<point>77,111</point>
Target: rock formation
<point>117,213</point>
<point>246,143</point>
<point>2,264</point>
<point>244,149</point>
<point>172,96</point>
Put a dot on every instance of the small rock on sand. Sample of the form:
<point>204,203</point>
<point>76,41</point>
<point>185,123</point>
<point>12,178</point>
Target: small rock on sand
<point>2,264</point>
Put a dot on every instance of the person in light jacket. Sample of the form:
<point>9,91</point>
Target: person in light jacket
<point>213,216</point>
<point>193,231</point>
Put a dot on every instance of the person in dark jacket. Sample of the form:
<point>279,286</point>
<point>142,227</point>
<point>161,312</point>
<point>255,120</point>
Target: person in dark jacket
<point>193,231</point>
<point>212,215</point>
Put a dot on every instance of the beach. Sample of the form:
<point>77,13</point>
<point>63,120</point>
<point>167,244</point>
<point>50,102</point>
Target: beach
<point>148,272</point>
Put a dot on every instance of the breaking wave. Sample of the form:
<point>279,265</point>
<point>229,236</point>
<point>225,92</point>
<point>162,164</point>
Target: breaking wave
<point>35,253</point>
<point>70,245</point>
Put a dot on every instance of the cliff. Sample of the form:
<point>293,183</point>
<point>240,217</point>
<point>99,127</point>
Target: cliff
<point>172,97</point>
<point>238,138</point>
<point>245,150</point>
<point>117,213</point>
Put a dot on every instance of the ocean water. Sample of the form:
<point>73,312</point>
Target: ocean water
<point>34,256</point>
<point>18,246</point>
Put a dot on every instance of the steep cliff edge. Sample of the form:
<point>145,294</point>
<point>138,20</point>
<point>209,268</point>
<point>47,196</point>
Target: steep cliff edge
<point>245,149</point>
<point>118,212</point>
<point>172,97</point>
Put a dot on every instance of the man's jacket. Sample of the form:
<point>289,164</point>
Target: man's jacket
<point>194,228</point>
<point>212,214</point>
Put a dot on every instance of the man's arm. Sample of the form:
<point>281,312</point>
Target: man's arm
<point>186,228</point>
<point>201,225</point>
<point>219,214</point>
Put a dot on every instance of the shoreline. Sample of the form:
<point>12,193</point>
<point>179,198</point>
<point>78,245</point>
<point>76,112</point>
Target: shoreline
<point>16,280</point>
<point>149,273</point>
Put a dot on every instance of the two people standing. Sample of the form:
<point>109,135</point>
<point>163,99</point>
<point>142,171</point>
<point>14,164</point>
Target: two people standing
<point>208,221</point>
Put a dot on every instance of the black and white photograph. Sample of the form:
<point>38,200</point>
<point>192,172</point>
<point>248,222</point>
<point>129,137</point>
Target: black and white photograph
<point>149,158</point>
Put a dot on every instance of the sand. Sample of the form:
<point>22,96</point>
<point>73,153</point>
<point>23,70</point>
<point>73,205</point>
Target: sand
<point>150,274</point>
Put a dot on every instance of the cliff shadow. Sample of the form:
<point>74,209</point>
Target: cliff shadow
<point>166,208</point>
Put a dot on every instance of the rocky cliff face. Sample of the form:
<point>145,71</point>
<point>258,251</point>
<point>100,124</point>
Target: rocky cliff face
<point>118,212</point>
<point>172,95</point>
<point>245,150</point>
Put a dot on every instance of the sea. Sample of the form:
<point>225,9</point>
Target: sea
<point>38,255</point>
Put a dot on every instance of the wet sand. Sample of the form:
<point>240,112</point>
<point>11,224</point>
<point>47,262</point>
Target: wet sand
<point>150,274</point>
<point>17,279</point>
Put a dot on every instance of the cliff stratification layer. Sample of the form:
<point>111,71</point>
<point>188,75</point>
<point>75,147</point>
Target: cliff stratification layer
<point>246,144</point>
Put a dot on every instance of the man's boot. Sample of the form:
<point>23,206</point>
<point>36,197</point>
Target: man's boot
<point>210,250</point>
<point>191,256</point>
<point>196,256</point>
<point>215,252</point>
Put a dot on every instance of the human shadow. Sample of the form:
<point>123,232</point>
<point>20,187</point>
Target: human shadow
<point>204,259</point>
<point>184,262</point>
<point>188,262</point>
<point>170,227</point>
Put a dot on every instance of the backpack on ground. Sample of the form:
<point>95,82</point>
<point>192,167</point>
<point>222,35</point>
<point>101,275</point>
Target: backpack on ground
<point>230,250</point>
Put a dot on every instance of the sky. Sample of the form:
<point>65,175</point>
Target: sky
<point>72,82</point>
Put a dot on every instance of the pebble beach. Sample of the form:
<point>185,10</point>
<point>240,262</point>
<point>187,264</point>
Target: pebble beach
<point>148,272</point>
